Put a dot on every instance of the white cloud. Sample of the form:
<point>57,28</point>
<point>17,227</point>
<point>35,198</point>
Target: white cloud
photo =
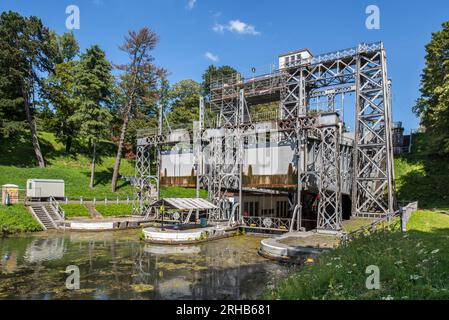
<point>236,26</point>
<point>241,27</point>
<point>191,4</point>
<point>218,28</point>
<point>211,56</point>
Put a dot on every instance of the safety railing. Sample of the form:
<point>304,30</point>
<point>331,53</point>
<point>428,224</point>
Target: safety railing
<point>400,216</point>
<point>57,208</point>
<point>379,224</point>
<point>147,132</point>
<point>173,216</point>
<point>95,200</point>
<point>340,54</point>
<point>282,224</point>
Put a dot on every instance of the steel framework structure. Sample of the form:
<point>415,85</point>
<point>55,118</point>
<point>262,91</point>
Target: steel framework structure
<point>365,170</point>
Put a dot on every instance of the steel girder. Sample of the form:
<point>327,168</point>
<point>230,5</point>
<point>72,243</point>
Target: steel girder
<point>147,185</point>
<point>225,155</point>
<point>373,191</point>
<point>329,207</point>
<point>363,70</point>
<point>293,94</point>
<point>368,171</point>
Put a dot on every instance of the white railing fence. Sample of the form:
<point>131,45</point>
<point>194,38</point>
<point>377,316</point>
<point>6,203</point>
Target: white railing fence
<point>57,208</point>
<point>95,200</point>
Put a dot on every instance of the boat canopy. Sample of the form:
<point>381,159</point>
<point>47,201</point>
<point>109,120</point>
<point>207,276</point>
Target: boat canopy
<point>185,204</point>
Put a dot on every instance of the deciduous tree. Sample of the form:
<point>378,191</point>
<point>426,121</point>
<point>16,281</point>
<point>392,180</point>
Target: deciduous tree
<point>433,105</point>
<point>26,53</point>
<point>138,82</point>
<point>184,102</point>
<point>60,90</point>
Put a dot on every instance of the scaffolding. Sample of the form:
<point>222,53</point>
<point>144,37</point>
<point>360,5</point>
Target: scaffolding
<point>305,117</point>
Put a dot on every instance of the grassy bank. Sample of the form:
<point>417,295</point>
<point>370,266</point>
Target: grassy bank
<point>75,211</point>
<point>16,219</point>
<point>114,210</point>
<point>17,164</point>
<point>109,210</point>
<point>413,265</point>
<point>422,175</point>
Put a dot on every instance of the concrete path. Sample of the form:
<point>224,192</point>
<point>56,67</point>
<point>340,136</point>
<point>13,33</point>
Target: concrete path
<point>93,212</point>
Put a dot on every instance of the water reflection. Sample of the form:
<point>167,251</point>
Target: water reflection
<point>161,249</point>
<point>8,262</point>
<point>116,265</point>
<point>45,249</point>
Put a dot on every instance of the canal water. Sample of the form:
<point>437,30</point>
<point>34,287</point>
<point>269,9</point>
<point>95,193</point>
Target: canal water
<point>116,265</point>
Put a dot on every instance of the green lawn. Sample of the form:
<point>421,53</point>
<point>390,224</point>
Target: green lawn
<point>112,210</point>
<point>422,176</point>
<point>15,219</point>
<point>355,223</point>
<point>17,164</point>
<point>75,210</point>
<point>413,265</point>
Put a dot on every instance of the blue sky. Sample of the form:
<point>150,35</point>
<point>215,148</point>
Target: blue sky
<point>251,33</point>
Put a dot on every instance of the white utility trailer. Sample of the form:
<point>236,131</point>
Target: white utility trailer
<point>45,188</point>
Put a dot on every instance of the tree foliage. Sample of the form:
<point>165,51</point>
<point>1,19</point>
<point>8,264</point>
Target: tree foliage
<point>214,73</point>
<point>26,54</point>
<point>60,89</point>
<point>184,102</point>
<point>76,96</point>
<point>433,105</point>
<point>94,82</point>
<point>139,79</point>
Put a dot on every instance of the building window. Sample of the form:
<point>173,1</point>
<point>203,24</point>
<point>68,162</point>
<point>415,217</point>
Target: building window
<point>267,212</point>
<point>282,209</point>
<point>251,208</point>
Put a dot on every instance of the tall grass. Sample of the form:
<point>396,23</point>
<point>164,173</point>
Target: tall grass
<point>413,265</point>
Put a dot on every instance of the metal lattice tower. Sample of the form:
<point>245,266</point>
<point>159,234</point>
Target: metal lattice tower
<point>329,209</point>
<point>323,158</point>
<point>373,158</point>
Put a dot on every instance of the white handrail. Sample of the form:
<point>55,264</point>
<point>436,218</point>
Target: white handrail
<point>55,204</point>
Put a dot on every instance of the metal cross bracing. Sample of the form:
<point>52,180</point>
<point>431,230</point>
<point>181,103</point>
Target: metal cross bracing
<point>373,159</point>
<point>363,70</point>
<point>293,94</point>
<point>362,167</point>
<point>329,208</point>
<point>149,146</point>
<point>225,150</point>
<point>146,184</point>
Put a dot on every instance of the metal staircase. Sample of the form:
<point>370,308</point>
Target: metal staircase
<point>49,214</point>
<point>52,212</point>
<point>42,216</point>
